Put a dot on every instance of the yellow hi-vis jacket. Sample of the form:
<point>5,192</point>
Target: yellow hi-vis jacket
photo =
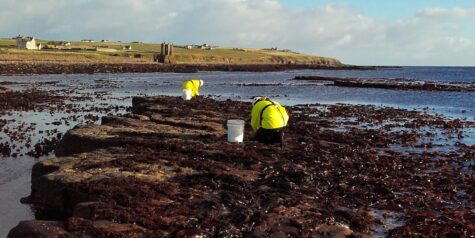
<point>268,115</point>
<point>193,85</point>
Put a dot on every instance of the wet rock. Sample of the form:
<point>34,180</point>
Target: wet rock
<point>86,210</point>
<point>129,131</point>
<point>104,228</point>
<point>2,123</point>
<point>44,147</point>
<point>92,68</point>
<point>335,231</point>
<point>39,229</point>
<point>30,99</point>
<point>167,170</point>
<point>400,84</point>
<point>54,180</point>
<point>5,149</point>
<point>3,89</point>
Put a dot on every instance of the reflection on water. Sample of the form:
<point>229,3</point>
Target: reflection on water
<point>14,184</point>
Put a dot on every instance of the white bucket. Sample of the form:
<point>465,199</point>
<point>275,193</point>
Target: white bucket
<point>186,95</point>
<point>235,130</point>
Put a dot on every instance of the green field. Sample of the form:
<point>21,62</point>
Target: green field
<point>7,43</point>
<point>112,52</point>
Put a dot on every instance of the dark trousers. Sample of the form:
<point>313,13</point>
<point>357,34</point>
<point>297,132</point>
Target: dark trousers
<point>269,136</point>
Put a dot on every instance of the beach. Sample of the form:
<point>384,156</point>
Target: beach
<point>372,154</point>
<point>161,171</point>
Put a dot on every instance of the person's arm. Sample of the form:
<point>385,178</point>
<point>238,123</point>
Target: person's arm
<point>197,88</point>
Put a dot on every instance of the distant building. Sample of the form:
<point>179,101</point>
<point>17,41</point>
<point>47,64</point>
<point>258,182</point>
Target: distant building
<point>27,43</point>
<point>104,40</point>
<point>127,47</point>
<point>204,46</point>
<point>166,55</point>
<point>87,40</point>
<point>189,47</point>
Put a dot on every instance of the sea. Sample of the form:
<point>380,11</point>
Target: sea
<point>120,88</point>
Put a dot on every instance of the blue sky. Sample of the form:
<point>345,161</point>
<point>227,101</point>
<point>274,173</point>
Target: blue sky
<point>370,32</point>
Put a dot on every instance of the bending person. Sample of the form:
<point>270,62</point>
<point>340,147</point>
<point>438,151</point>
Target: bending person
<point>191,88</point>
<point>268,119</point>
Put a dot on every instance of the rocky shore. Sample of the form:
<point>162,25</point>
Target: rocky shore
<point>91,68</point>
<point>166,170</point>
<point>54,111</point>
<point>385,83</point>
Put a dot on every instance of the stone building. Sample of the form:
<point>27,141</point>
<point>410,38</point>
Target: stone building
<point>27,43</point>
<point>166,55</point>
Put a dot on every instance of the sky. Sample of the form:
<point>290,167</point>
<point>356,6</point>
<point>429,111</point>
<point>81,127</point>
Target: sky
<point>369,32</point>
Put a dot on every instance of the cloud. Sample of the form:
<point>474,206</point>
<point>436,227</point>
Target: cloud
<point>456,13</point>
<point>460,44</point>
<point>433,36</point>
<point>345,40</point>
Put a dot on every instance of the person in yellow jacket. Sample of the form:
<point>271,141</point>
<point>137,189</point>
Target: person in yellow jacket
<point>191,88</point>
<point>268,119</point>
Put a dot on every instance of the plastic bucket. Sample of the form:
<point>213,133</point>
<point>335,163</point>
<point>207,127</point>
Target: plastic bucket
<point>235,130</point>
<point>186,95</point>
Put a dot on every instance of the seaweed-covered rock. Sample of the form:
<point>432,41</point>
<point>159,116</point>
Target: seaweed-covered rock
<point>167,170</point>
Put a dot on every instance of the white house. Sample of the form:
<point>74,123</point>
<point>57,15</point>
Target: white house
<point>127,47</point>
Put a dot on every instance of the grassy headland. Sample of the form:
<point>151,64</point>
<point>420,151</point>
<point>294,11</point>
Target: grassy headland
<point>113,52</point>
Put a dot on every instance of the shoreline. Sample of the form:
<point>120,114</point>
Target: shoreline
<point>108,176</point>
<point>390,83</point>
<point>9,69</point>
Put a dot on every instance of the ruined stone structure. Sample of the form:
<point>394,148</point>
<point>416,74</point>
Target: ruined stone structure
<point>27,43</point>
<point>166,49</point>
<point>166,55</point>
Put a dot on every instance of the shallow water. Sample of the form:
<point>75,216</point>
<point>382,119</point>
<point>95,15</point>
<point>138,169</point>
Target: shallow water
<point>388,221</point>
<point>15,183</point>
<point>15,172</point>
<point>286,90</point>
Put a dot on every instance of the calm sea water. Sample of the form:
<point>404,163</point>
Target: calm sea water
<point>285,90</point>
<point>15,172</point>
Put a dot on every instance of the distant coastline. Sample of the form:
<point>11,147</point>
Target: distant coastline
<point>92,68</point>
<point>27,55</point>
<point>17,57</point>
